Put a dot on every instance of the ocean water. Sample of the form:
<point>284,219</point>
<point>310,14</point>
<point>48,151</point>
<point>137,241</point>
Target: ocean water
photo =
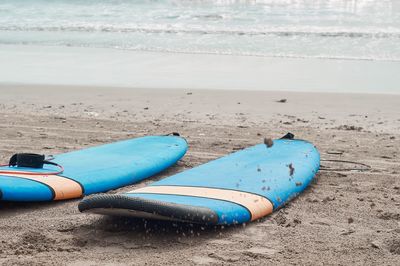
<point>332,29</point>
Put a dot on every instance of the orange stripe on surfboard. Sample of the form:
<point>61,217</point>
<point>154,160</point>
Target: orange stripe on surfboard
<point>64,188</point>
<point>257,205</point>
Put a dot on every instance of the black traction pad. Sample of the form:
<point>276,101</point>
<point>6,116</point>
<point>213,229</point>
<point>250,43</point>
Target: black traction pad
<point>171,211</point>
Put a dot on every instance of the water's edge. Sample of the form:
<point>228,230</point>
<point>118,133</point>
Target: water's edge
<point>121,68</point>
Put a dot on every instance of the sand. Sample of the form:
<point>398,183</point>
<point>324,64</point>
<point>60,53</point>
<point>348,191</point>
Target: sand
<point>344,217</point>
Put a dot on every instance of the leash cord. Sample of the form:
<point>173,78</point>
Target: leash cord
<point>327,168</point>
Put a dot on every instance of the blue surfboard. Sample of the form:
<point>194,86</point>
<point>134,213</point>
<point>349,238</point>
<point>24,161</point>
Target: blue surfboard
<point>93,170</point>
<point>238,188</point>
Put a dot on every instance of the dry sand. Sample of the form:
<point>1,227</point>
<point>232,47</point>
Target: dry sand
<point>344,217</point>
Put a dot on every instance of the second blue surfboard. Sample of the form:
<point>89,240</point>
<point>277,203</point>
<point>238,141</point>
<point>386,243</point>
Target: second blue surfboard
<point>241,187</point>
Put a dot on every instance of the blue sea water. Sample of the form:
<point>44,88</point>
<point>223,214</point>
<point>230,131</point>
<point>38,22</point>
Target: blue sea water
<point>338,29</point>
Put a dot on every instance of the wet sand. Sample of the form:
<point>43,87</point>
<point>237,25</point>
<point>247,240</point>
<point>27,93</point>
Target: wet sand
<point>344,217</point>
<point>76,66</point>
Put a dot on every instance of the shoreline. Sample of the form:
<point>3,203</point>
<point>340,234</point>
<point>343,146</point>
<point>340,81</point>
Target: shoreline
<point>123,68</point>
<point>155,89</point>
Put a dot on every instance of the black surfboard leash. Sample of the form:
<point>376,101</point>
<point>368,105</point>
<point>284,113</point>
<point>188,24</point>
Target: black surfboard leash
<point>30,160</point>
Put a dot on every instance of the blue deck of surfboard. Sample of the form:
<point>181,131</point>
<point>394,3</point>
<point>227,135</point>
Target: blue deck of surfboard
<point>101,168</point>
<point>258,170</point>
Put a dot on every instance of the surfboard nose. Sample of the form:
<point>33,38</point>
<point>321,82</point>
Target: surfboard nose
<point>139,207</point>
